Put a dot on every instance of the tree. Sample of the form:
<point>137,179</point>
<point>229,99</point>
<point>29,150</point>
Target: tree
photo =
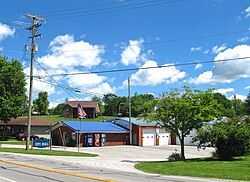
<point>111,104</point>
<point>12,89</point>
<point>227,109</point>
<point>247,104</point>
<point>230,138</point>
<point>99,101</point>
<point>183,111</point>
<point>58,110</point>
<point>42,103</point>
<point>138,102</point>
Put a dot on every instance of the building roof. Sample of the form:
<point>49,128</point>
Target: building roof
<point>24,121</point>
<point>124,122</point>
<point>85,104</point>
<point>95,127</point>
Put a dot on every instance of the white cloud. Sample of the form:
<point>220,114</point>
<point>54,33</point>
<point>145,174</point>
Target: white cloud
<point>195,48</point>
<point>90,83</point>
<point>198,66</point>
<point>224,90</point>
<point>38,86</point>
<point>238,96</point>
<point>5,31</point>
<point>247,88</point>
<point>206,51</point>
<point>217,49</point>
<point>247,12</point>
<point>85,80</point>
<point>67,53</point>
<point>227,72</point>
<point>131,53</point>
<point>151,77</point>
<point>244,39</point>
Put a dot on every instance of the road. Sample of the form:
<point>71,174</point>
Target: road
<point>16,173</point>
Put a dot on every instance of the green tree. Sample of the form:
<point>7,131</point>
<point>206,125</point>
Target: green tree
<point>99,101</point>
<point>183,111</point>
<point>58,110</point>
<point>12,89</point>
<point>42,103</point>
<point>138,102</point>
<point>110,104</point>
<point>239,107</point>
<point>230,138</point>
<point>227,109</point>
<point>247,104</point>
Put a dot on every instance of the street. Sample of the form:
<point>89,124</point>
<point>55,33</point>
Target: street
<point>16,173</point>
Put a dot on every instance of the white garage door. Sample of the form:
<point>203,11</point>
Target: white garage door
<point>148,137</point>
<point>163,137</point>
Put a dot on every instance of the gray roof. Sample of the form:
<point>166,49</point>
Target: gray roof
<point>124,122</point>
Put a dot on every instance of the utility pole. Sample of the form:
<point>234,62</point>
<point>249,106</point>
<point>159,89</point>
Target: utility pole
<point>35,24</point>
<point>129,111</point>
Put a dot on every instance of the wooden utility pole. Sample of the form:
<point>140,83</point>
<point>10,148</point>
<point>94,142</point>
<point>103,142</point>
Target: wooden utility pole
<point>129,111</point>
<point>35,23</point>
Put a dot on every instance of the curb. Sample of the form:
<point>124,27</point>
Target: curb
<point>59,171</point>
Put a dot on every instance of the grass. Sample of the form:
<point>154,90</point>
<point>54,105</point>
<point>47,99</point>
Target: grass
<point>46,152</point>
<point>238,169</point>
<point>57,118</point>
<point>13,142</point>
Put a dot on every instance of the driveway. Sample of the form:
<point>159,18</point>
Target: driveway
<point>123,158</point>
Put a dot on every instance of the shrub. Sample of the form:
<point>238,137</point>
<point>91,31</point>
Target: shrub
<point>174,157</point>
<point>230,138</point>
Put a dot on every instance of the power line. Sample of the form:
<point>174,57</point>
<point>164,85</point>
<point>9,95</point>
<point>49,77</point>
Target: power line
<point>82,7</point>
<point>70,88</point>
<point>164,41</point>
<point>151,67</point>
<point>173,40</point>
<point>112,9</point>
<point>56,81</point>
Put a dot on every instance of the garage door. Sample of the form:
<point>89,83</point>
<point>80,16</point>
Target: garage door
<point>148,137</point>
<point>163,137</point>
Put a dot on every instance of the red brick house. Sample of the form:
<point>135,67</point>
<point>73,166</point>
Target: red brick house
<point>145,133</point>
<point>92,134</point>
<point>91,109</point>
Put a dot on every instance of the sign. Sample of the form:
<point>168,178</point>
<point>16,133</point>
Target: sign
<point>41,143</point>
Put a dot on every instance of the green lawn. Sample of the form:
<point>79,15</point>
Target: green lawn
<point>57,118</point>
<point>46,152</point>
<point>13,142</point>
<point>238,169</point>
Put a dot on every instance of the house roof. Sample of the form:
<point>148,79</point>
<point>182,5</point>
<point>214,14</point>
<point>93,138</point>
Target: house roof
<point>85,104</point>
<point>95,127</point>
<point>24,122</point>
<point>124,122</point>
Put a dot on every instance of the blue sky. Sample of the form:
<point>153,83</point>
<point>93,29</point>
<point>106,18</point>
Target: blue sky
<point>123,39</point>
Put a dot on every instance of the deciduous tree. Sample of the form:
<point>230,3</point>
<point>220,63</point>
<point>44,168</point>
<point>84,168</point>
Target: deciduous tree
<point>12,89</point>
<point>185,110</point>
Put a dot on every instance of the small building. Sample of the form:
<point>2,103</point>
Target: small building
<point>145,133</point>
<point>91,134</point>
<point>19,125</point>
<point>91,109</point>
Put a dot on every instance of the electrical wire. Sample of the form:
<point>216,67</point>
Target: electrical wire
<point>151,67</point>
<point>171,40</point>
<point>108,10</point>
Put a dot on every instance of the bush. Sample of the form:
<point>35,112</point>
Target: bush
<point>230,138</point>
<point>174,157</point>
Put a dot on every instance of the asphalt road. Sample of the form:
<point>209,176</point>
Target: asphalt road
<point>16,173</point>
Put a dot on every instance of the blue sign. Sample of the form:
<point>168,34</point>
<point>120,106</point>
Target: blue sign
<point>41,143</point>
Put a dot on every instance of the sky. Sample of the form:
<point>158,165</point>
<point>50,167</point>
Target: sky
<point>91,36</point>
